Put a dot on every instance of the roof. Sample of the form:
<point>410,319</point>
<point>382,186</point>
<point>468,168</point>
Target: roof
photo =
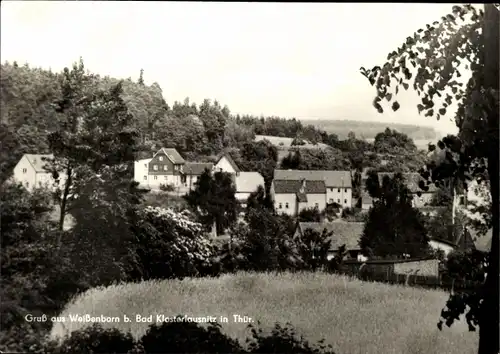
<point>196,168</point>
<point>36,161</point>
<point>172,154</point>
<point>411,179</point>
<point>483,242</point>
<point>144,160</point>
<point>337,179</point>
<point>293,186</point>
<point>248,182</point>
<point>230,160</point>
<point>344,233</point>
<point>366,198</point>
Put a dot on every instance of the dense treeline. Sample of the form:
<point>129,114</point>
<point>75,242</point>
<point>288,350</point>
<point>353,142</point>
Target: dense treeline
<point>198,131</point>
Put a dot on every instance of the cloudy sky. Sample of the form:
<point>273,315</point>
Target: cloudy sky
<point>291,60</point>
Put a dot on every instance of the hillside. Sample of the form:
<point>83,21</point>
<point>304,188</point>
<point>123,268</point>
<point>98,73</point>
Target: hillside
<point>368,130</point>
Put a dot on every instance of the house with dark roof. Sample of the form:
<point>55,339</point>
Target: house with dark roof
<point>292,196</point>
<point>192,171</point>
<point>343,233</point>
<point>165,168</point>
<point>338,184</point>
<point>456,241</point>
<point>421,198</point>
<point>32,173</point>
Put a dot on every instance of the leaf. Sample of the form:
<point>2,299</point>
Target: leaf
<point>429,113</point>
<point>432,147</point>
<point>442,111</point>
<point>388,97</point>
<point>395,106</point>
<point>420,108</point>
<point>406,86</point>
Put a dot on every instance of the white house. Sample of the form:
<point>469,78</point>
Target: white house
<point>292,196</point>
<point>31,172</point>
<point>226,164</point>
<point>338,184</point>
<point>247,183</point>
<point>141,171</point>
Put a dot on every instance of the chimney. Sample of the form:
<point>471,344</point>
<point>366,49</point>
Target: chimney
<point>303,185</point>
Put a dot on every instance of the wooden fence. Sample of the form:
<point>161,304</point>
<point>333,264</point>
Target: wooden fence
<point>412,272</point>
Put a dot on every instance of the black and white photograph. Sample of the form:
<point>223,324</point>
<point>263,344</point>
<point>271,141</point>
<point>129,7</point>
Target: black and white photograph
<point>249,177</point>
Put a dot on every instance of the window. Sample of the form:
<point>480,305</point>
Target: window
<point>165,168</point>
<point>165,177</point>
<point>145,178</point>
<point>161,158</point>
<point>25,170</point>
<point>345,190</point>
<point>338,190</point>
<point>338,201</point>
<point>286,205</point>
<point>40,183</point>
<point>176,167</point>
<point>155,167</point>
<point>316,205</point>
<point>27,184</point>
<point>280,206</point>
<point>345,201</point>
<point>330,201</point>
<point>155,178</point>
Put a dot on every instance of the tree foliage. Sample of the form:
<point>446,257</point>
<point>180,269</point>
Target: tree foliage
<point>393,227</point>
<point>213,199</point>
<point>467,38</point>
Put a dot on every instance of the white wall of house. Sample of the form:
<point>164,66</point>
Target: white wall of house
<point>25,173</point>
<point>366,206</point>
<point>282,200</point>
<point>141,171</point>
<point>224,166</point>
<point>242,196</point>
<point>314,200</point>
<point>342,196</point>
<point>446,248</point>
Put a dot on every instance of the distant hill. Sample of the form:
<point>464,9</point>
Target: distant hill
<point>368,130</point>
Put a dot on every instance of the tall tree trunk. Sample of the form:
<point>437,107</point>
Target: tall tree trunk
<point>64,202</point>
<point>489,327</point>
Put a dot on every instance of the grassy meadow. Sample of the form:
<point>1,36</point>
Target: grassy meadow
<point>353,316</point>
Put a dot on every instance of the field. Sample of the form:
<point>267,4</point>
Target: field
<point>368,130</point>
<point>353,316</point>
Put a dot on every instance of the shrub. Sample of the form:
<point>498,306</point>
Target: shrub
<point>96,339</point>
<point>284,340</point>
<point>167,187</point>
<point>168,245</point>
<point>188,337</point>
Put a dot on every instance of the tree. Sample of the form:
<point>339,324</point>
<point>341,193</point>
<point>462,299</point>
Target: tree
<point>393,142</point>
<point>467,37</point>
<point>213,199</point>
<point>310,215</point>
<point>314,247</point>
<point>260,156</point>
<point>93,149</point>
<point>393,227</point>
<point>316,159</point>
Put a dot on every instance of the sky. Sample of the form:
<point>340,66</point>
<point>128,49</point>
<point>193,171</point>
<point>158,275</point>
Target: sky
<point>285,59</point>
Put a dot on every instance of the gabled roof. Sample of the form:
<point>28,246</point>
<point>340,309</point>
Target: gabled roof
<point>248,182</point>
<point>293,186</point>
<point>336,179</point>
<point>230,160</point>
<point>36,161</point>
<point>172,154</point>
<point>196,168</point>
<point>411,179</point>
<point>344,233</point>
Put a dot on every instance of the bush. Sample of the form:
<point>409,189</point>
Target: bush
<point>168,244</point>
<point>188,337</point>
<point>24,338</point>
<point>96,339</point>
<point>167,187</point>
<point>284,340</point>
